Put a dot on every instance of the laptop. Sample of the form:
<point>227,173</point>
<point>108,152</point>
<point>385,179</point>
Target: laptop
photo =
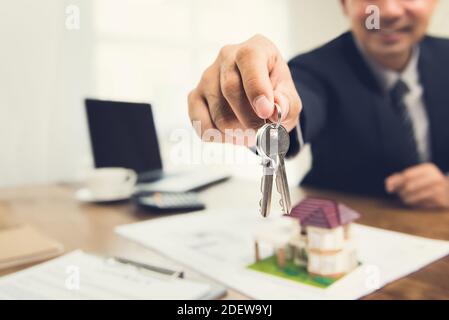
<point>123,134</point>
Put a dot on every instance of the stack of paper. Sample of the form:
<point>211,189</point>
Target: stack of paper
<point>81,276</point>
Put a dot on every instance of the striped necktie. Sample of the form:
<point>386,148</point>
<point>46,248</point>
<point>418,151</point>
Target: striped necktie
<point>397,96</point>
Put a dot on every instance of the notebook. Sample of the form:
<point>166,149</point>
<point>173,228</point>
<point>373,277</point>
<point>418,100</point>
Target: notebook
<point>23,244</point>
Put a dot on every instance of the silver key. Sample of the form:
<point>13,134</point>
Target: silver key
<point>268,164</point>
<point>281,176</point>
<point>266,187</point>
<point>268,145</point>
<point>273,142</point>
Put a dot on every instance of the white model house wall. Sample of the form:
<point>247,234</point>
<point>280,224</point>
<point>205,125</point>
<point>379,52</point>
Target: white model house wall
<point>333,264</point>
<point>325,240</point>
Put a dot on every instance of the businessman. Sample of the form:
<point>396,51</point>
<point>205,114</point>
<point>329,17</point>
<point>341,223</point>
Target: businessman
<point>374,103</point>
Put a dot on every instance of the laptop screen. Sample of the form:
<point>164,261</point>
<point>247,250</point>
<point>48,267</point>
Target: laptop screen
<point>123,134</point>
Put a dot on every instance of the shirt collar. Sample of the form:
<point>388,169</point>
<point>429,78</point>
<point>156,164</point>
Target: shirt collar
<point>387,77</point>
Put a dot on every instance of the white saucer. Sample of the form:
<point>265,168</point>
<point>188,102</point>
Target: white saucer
<point>84,195</point>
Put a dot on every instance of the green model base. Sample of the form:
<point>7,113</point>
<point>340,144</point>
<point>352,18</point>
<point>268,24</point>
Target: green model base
<point>291,272</point>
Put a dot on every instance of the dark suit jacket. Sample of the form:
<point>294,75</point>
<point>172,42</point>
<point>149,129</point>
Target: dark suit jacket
<point>355,135</point>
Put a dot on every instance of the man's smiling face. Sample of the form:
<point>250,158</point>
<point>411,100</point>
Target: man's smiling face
<point>403,23</point>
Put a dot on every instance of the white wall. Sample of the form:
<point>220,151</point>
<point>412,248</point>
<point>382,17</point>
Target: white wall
<point>440,22</point>
<point>44,69</point>
<point>151,50</point>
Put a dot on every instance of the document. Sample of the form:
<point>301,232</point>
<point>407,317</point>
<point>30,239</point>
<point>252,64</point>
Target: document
<point>78,275</point>
<point>220,245</point>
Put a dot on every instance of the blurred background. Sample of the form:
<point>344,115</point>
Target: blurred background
<point>135,50</point>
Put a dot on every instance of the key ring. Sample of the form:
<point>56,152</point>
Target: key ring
<point>272,125</point>
<point>279,113</point>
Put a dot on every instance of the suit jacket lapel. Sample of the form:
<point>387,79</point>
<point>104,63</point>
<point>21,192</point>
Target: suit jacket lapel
<point>436,99</point>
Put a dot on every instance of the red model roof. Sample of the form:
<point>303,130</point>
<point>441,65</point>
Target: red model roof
<point>323,213</point>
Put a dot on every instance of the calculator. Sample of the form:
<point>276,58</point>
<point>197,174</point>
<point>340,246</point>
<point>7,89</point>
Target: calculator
<point>169,201</point>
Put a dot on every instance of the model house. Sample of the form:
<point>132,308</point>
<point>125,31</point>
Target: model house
<point>278,233</point>
<point>316,235</point>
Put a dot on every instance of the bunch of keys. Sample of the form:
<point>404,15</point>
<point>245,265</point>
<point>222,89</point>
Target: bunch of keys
<point>273,142</point>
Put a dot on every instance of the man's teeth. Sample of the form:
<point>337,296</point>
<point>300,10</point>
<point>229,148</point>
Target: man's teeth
<point>388,31</point>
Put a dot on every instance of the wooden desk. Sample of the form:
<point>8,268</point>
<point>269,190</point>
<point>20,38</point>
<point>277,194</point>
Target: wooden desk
<point>53,210</point>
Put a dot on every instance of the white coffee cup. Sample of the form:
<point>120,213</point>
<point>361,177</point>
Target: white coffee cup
<point>110,183</point>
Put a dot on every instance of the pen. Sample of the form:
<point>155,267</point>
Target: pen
<point>165,271</point>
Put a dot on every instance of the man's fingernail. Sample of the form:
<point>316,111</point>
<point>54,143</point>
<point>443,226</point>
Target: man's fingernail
<point>263,107</point>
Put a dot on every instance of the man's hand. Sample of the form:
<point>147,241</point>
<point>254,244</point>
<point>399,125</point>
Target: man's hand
<point>239,89</point>
<point>423,186</point>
